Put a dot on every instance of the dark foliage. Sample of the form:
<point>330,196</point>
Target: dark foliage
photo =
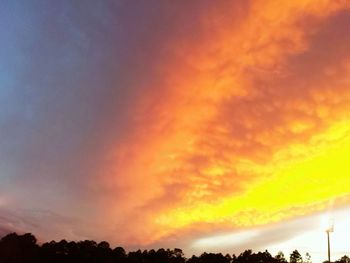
<point>24,249</point>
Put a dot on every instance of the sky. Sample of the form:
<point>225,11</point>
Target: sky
<point>206,125</point>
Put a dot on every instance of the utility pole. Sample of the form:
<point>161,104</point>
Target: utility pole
<point>329,247</point>
<point>329,230</point>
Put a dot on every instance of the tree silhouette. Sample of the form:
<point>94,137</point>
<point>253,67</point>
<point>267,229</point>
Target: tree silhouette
<point>307,258</point>
<point>245,257</point>
<point>24,249</point>
<point>280,258</point>
<point>15,248</point>
<point>119,255</point>
<point>295,257</point>
<point>343,259</point>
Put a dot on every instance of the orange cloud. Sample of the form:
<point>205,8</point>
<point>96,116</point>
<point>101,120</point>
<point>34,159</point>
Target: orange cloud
<point>248,124</point>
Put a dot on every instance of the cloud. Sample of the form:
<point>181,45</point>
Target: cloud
<point>239,114</point>
<point>157,122</point>
<point>31,221</point>
<point>257,238</point>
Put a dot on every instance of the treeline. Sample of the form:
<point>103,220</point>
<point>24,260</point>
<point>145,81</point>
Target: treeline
<point>24,249</point>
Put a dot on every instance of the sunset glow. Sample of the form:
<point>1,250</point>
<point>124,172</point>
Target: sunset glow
<point>193,124</point>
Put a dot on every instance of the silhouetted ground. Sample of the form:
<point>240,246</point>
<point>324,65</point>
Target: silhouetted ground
<point>24,249</point>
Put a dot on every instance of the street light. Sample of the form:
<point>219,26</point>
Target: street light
<point>329,229</point>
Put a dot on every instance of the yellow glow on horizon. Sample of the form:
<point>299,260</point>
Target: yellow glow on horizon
<point>310,237</point>
<point>297,186</point>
